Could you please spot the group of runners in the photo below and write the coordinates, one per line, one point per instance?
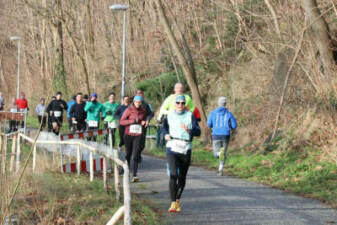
(179, 119)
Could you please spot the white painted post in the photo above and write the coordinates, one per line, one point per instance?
(13, 152)
(91, 162)
(18, 153)
(78, 164)
(61, 158)
(34, 157)
(116, 176)
(127, 196)
(4, 154)
(104, 173)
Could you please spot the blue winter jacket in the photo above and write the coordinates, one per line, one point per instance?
(70, 104)
(222, 121)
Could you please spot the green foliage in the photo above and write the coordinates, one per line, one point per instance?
(158, 88)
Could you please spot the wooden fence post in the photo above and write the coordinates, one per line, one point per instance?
(116, 176)
(91, 163)
(34, 157)
(18, 153)
(4, 154)
(61, 158)
(104, 173)
(13, 152)
(127, 196)
(78, 163)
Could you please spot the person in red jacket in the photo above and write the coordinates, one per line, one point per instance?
(134, 118)
(22, 104)
(196, 114)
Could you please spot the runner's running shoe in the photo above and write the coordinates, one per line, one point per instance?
(173, 209)
(178, 206)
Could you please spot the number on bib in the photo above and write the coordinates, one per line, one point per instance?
(92, 123)
(136, 129)
(57, 113)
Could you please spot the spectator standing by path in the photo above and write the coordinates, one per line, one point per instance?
(149, 115)
(110, 108)
(78, 115)
(13, 108)
(134, 118)
(222, 122)
(40, 110)
(94, 111)
(179, 128)
(2, 102)
(70, 104)
(55, 109)
(22, 104)
(118, 115)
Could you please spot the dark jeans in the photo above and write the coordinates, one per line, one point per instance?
(143, 141)
(43, 122)
(121, 130)
(132, 148)
(94, 138)
(112, 131)
(178, 165)
(12, 126)
(70, 124)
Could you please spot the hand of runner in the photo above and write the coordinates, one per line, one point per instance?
(167, 137)
(146, 123)
(185, 127)
(143, 123)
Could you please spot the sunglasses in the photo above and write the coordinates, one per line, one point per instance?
(180, 103)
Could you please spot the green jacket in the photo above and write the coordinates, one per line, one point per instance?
(108, 107)
(93, 110)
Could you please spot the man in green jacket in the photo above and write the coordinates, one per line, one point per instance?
(109, 119)
(94, 110)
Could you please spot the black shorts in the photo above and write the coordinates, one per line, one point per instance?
(58, 120)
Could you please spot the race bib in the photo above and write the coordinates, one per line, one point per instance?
(178, 146)
(112, 124)
(136, 129)
(92, 123)
(13, 110)
(74, 122)
(57, 113)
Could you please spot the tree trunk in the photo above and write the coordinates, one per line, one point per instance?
(187, 68)
(59, 79)
(321, 32)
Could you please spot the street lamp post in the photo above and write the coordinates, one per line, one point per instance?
(122, 8)
(16, 38)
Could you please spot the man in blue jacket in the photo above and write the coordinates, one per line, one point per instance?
(222, 122)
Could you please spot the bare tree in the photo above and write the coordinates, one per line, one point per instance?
(321, 32)
(187, 66)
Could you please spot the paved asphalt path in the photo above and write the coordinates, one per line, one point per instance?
(209, 199)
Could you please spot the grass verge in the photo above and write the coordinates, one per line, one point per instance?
(49, 197)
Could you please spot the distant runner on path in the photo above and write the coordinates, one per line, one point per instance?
(169, 106)
(118, 115)
(109, 117)
(94, 111)
(179, 128)
(55, 109)
(134, 119)
(222, 121)
(78, 115)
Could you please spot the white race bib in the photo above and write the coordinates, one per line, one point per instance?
(136, 129)
(92, 123)
(112, 124)
(179, 146)
(74, 122)
(13, 110)
(57, 113)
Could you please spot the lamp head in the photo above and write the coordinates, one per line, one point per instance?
(14, 38)
(119, 7)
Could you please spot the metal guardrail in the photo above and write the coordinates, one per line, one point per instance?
(113, 155)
